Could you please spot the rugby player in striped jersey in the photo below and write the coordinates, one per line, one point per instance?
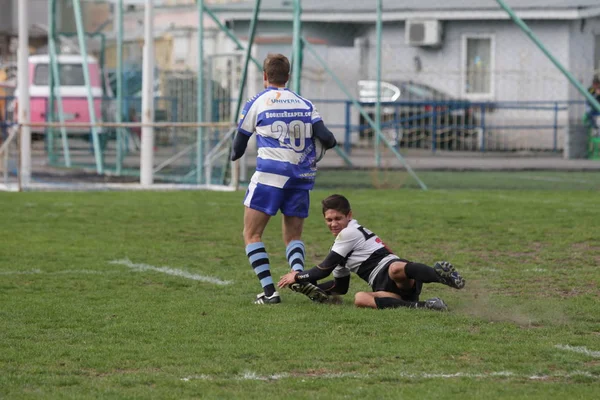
(286, 127)
(396, 282)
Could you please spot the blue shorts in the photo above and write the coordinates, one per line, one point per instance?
(270, 199)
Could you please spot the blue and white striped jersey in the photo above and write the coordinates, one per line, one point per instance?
(283, 123)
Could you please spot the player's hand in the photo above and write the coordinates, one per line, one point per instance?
(287, 279)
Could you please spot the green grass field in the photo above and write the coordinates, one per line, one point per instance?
(452, 180)
(148, 295)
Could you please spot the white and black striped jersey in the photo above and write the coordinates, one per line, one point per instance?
(363, 251)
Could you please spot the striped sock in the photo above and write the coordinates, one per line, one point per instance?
(259, 259)
(295, 255)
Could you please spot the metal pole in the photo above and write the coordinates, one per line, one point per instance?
(23, 88)
(200, 97)
(254, 86)
(339, 83)
(348, 127)
(558, 65)
(54, 83)
(86, 76)
(229, 34)
(482, 122)
(147, 146)
(50, 101)
(297, 47)
(251, 34)
(119, 111)
(378, 29)
(555, 136)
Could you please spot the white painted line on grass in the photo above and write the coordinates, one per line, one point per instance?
(579, 349)
(28, 272)
(249, 375)
(171, 271)
(83, 271)
(197, 378)
(488, 269)
(253, 376)
(63, 272)
(551, 179)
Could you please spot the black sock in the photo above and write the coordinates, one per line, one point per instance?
(392, 302)
(421, 272)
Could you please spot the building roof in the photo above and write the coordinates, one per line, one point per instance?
(365, 10)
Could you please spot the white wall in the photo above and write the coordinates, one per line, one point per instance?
(521, 69)
(522, 72)
(6, 16)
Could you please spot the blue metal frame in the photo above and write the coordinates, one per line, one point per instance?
(349, 128)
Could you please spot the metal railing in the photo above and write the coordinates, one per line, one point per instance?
(454, 125)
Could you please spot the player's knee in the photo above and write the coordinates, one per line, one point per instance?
(251, 237)
(363, 299)
(397, 272)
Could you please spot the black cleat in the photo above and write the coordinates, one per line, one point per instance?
(313, 292)
(448, 275)
(436, 304)
(261, 298)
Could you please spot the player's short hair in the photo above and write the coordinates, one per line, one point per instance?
(336, 202)
(596, 80)
(277, 67)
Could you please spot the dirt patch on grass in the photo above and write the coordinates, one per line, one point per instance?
(589, 248)
(545, 287)
(478, 302)
(533, 253)
(590, 364)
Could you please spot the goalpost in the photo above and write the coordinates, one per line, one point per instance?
(200, 162)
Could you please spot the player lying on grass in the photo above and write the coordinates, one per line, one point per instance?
(395, 282)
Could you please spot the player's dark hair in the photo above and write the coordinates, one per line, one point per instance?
(596, 80)
(336, 202)
(277, 67)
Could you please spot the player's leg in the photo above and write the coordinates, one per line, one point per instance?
(405, 272)
(368, 299)
(261, 203)
(295, 253)
(392, 279)
(383, 300)
(295, 210)
(402, 272)
(292, 237)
